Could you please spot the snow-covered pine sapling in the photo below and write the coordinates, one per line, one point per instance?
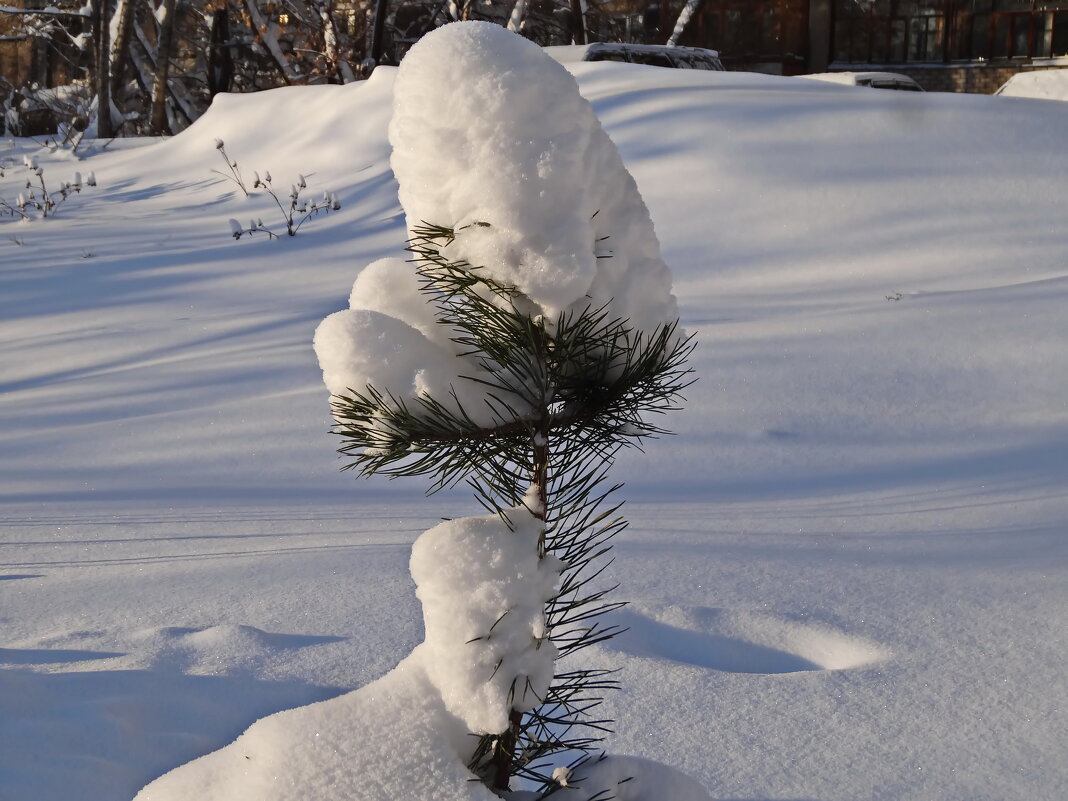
(532, 336)
(567, 393)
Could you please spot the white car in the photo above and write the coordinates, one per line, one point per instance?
(691, 58)
(876, 80)
(1044, 84)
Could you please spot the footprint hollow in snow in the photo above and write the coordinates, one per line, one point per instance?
(737, 642)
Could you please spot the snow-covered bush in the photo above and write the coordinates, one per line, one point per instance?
(298, 211)
(530, 338)
(37, 197)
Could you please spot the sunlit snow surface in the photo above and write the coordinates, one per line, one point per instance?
(849, 571)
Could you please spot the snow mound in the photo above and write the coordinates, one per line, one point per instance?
(630, 778)
(408, 735)
(261, 132)
(222, 650)
(390, 740)
(742, 641)
(492, 138)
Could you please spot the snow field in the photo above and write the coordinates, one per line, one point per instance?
(887, 475)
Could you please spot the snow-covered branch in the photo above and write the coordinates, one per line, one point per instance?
(86, 11)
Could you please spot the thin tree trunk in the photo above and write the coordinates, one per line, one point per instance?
(342, 70)
(578, 22)
(102, 78)
(378, 32)
(515, 19)
(122, 26)
(143, 61)
(502, 767)
(220, 59)
(144, 57)
(158, 117)
(684, 18)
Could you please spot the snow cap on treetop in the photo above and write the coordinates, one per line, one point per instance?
(488, 129)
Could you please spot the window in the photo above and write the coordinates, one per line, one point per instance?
(1020, 43)
(607, 55)
(651, 59)
(901, 31)
(1006, 29)
(1001, 36)
(1043, 35)
(881, 31)
(980, 37)
(925, 38)
(897, 40)
(1059, 39)
(748, 31)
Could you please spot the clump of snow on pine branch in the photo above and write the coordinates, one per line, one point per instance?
(483, 588)
(391, 286)
(389, 339)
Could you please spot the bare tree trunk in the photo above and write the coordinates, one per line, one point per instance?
(101, 67)
(220, 59)
(158, 116)
(144, 56)
(684, 19)
(515, 19)
(540, 453)
(122, 25)
(378, 32)
(268, 30)
(578, 22)
(342, 70)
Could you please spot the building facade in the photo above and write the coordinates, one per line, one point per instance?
(946, 45)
